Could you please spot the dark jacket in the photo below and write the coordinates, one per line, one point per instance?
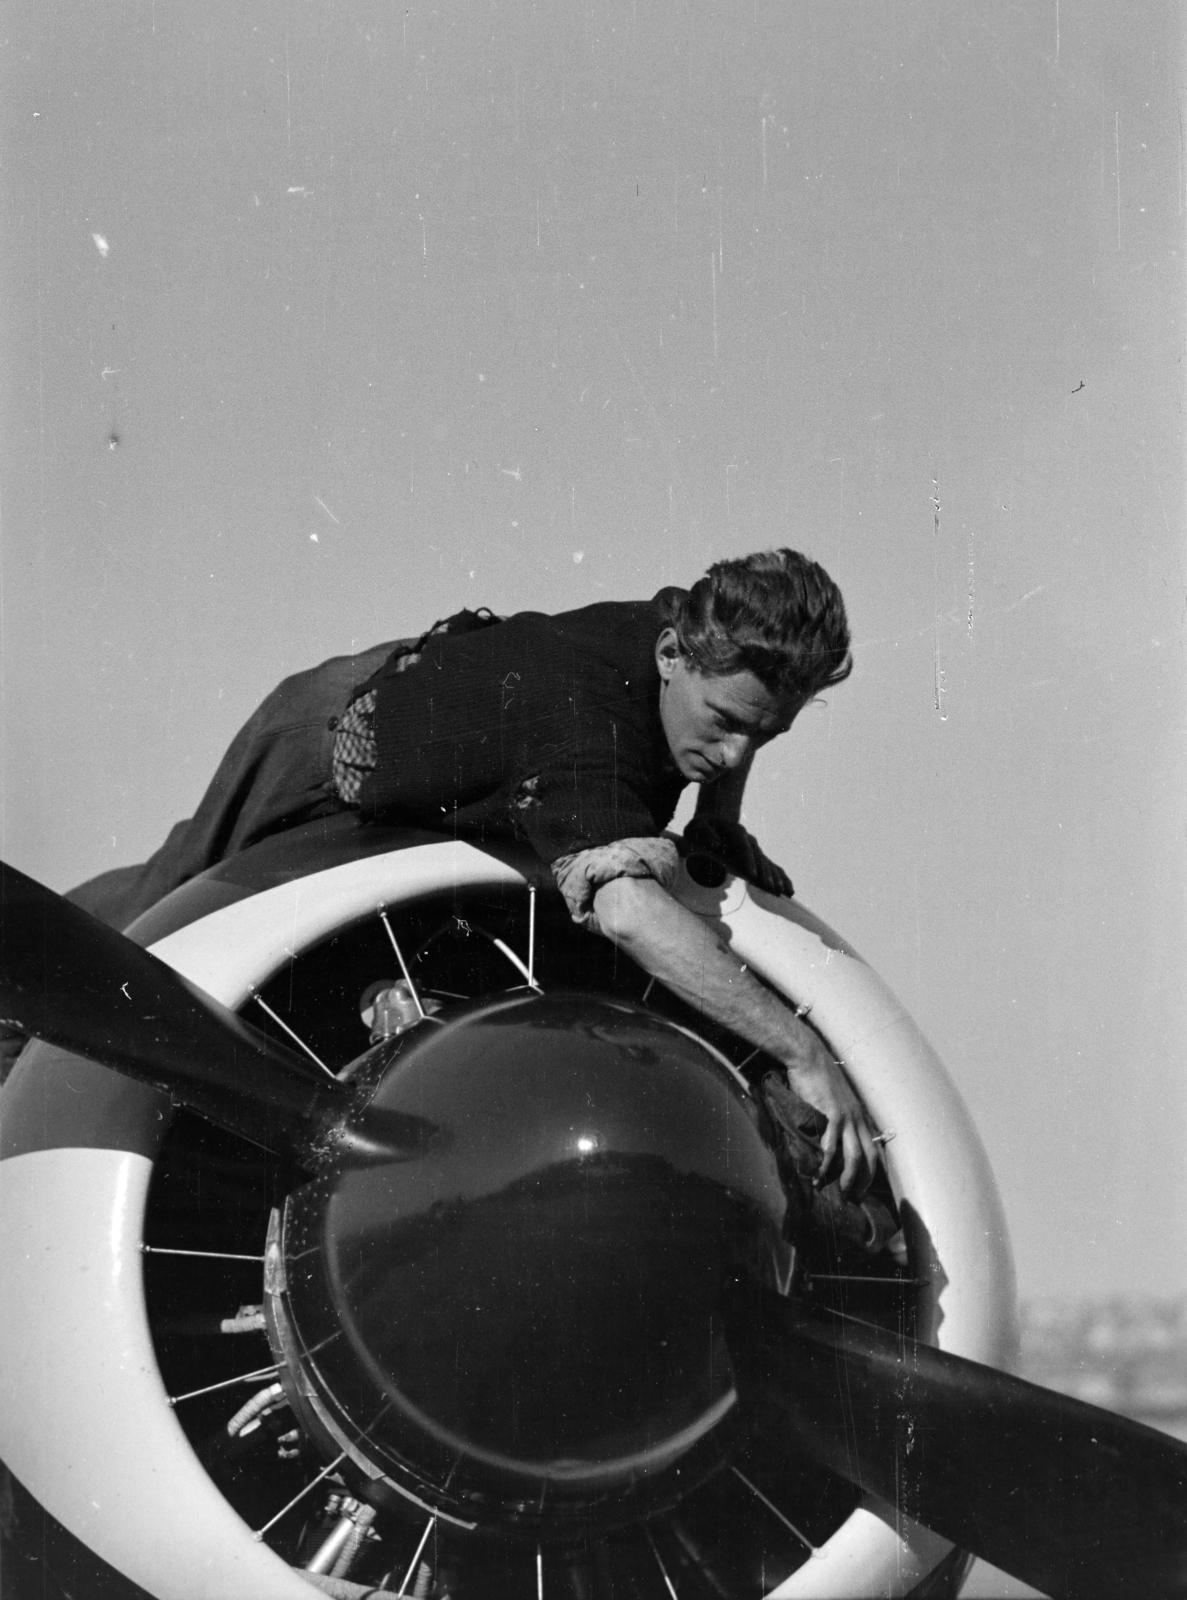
(542, 728)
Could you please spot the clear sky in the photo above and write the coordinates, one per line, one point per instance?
(320, 321)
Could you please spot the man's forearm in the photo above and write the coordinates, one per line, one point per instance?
(690, 958)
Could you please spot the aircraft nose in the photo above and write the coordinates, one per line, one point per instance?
(500, 1335)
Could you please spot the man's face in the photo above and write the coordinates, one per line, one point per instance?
(714, 724)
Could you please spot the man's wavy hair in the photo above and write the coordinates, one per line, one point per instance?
(775, 613)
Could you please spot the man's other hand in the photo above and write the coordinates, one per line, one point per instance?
(731, 844)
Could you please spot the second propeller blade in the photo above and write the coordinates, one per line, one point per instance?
(1074, 1500)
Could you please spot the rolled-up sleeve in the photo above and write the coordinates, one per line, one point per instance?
(580, 875)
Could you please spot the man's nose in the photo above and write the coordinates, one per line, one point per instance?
(735, 747)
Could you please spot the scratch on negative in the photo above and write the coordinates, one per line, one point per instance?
(938, 671)
(873, 1034)
(327, 510)
(1022, 599)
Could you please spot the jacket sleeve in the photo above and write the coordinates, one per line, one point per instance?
(579, 804)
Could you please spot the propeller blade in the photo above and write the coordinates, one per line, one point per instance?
(69, 978)
(1072, 1499)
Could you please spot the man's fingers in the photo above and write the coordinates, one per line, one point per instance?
(851, 1145)
(771, 876)
(828, 1153)
(870, 1151)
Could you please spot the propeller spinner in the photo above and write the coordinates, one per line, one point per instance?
(600, 1181)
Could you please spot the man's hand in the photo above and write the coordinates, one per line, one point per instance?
(847, 1147)
(738, 850)
(691, 958)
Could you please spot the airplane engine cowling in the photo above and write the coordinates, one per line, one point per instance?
(79, 1146)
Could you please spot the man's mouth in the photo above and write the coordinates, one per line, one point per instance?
(706, 769)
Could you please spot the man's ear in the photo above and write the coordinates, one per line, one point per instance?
(667, 653)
